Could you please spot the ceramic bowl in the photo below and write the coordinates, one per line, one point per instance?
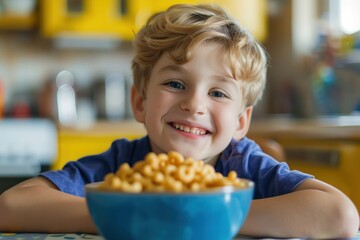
(213, 214)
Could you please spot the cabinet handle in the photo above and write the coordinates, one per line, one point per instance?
(123, 7)
(319, 157)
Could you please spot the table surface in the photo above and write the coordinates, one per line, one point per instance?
(78, 236)
(45, 236)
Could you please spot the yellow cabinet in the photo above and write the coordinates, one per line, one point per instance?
(251, 14)
(326, 148)
(123, 18)
(334, 162)
(75, 143)
(88, 17)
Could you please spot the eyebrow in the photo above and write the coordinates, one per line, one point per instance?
(175, 68)
(227, 80)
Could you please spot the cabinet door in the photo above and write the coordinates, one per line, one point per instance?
(334, 162)
(89, 18)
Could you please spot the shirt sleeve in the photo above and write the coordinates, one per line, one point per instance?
(76, 174)
(271, 178)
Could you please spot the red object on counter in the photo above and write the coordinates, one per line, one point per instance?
(21, 110)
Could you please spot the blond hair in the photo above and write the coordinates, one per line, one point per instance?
(182, 27)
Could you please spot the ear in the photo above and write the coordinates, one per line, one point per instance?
(243, 123)
(137, 105)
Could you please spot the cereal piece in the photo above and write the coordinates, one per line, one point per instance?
(185, 174)
(150, 156)
(195, 187)
(158, 177)
(135, 177)
(189, 161)
(162, 165)
(198, 165)
(131, 187)
(124, 171)
(139, 165)
(169, 169)
(175, 158)
(239, 183)
(232, 175)
(147, 184)
(108, 178)
(208, 169)
(114, 182)
(218, 176)
(147, 171)
(152, 160)
(163, 157)
(173, 185)
(207, 178)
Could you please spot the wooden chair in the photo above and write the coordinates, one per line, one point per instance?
(271, 147)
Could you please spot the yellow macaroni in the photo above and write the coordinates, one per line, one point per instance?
(168, 172)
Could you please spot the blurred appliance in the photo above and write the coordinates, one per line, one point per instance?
(66, 98)
(110, 96)
(19, 7)
(27, 147)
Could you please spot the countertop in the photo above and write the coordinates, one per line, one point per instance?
(340, 127)
(325, 128)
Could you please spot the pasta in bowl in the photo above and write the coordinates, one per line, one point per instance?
(166, 196)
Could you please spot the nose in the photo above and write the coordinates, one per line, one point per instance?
(193, 103)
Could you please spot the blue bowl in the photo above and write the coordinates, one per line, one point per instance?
(213, 214)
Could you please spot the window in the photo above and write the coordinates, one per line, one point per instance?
(344, 15)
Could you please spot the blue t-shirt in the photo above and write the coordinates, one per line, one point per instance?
(245, 157)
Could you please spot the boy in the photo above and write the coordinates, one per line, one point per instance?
(197, 76)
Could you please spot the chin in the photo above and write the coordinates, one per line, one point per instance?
(186, 153)
(185, 149)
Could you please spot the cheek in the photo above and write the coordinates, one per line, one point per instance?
(158, 102)
(157, 105)
(227, 117)
(227, 110)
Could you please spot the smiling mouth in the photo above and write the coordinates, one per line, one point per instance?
(188, 129)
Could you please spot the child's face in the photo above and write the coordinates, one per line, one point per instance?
(194, 108)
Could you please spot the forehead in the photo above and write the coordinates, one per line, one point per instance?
(207, 59)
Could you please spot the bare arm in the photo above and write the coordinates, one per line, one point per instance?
(315, 209)
(36, 205)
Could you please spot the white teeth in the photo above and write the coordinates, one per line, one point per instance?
(188, 129)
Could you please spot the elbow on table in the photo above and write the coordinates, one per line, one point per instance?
(5, 216)
(347, 221)
(3, 211)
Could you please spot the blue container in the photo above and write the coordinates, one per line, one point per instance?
(214, 214)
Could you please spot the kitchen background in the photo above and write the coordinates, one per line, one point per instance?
(314, 55)
(65, 75)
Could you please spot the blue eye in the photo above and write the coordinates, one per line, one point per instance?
(175, 85)
(217, 94)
